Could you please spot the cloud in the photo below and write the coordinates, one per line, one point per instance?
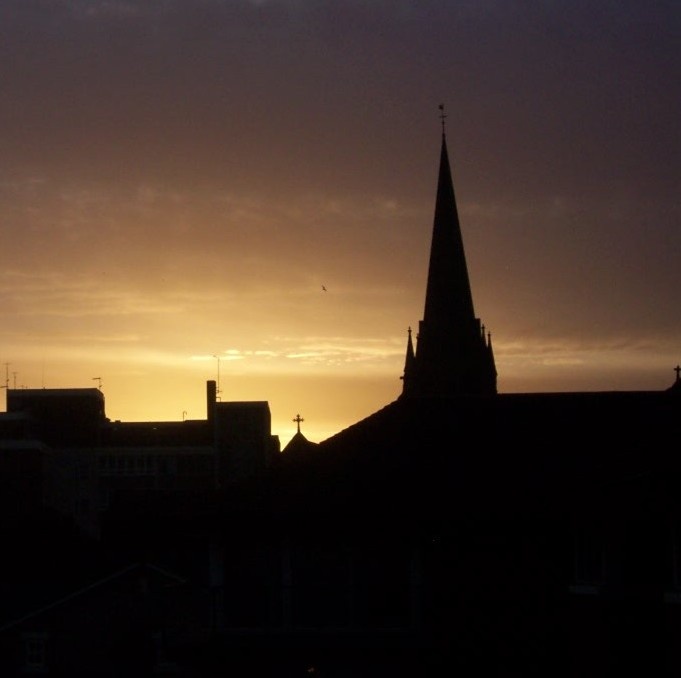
(624, 363)
(49, 295)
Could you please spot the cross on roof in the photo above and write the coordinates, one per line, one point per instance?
(298, 419)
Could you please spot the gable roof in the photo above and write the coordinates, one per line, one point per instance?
(167, 578)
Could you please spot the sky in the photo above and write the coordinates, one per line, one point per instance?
(180, 180)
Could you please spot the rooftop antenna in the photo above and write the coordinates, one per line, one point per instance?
(7, 376)
(218, 391)
(99, 382)
(14, 377)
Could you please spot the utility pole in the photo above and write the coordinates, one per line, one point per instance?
(218, 391)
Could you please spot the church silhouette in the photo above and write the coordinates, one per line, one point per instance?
(457, 529)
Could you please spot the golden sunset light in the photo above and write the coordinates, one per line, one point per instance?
(244, 191)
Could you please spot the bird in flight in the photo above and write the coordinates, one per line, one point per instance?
(323, 288)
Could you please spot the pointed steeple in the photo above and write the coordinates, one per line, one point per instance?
(409, 361)
(448, 294)
(453, 355)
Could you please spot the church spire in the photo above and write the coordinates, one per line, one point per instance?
(453, 355)
(409, 362)
(448, 292)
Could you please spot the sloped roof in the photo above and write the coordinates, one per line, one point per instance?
(502, 453)
(134, 569)
(299, 444)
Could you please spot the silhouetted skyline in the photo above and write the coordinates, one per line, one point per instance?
(255, 181)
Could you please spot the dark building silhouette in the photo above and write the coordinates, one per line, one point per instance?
(453, 355)
(455, 531)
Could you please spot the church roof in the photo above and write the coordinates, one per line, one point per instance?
(499, 454)
(298, 444)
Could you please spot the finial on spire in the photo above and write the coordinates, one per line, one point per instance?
(443, 115)
(298, 419)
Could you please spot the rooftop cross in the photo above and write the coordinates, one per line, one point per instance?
(298, 419)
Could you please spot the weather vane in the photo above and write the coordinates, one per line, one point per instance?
(443, 115)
